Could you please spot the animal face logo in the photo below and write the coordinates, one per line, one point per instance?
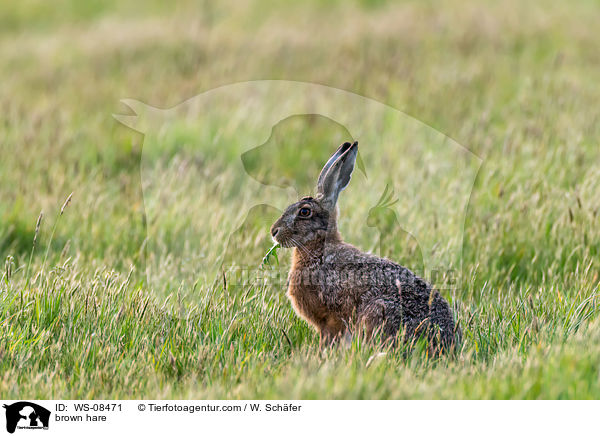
(219, 169)
(26, 415)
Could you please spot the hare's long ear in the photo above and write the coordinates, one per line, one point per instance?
(341, 150)
(336, 173)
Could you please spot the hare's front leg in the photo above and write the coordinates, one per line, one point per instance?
(325, 338)
(331, 331)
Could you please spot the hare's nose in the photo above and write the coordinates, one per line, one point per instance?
(274, 231)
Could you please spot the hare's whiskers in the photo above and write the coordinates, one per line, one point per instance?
(303, 248)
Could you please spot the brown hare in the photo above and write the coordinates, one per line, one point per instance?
(341, 290)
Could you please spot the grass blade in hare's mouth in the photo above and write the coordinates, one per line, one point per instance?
(272, 253)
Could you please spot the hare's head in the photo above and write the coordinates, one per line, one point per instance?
(312, 219)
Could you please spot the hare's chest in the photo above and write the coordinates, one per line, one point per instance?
(309, 297)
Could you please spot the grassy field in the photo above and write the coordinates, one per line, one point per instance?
(104, 299)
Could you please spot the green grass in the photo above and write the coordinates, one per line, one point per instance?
(113, 304)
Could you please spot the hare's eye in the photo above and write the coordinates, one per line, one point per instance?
(304, 212)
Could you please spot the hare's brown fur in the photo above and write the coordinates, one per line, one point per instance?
(341, 290)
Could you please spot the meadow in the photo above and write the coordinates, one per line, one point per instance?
(100, 295)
